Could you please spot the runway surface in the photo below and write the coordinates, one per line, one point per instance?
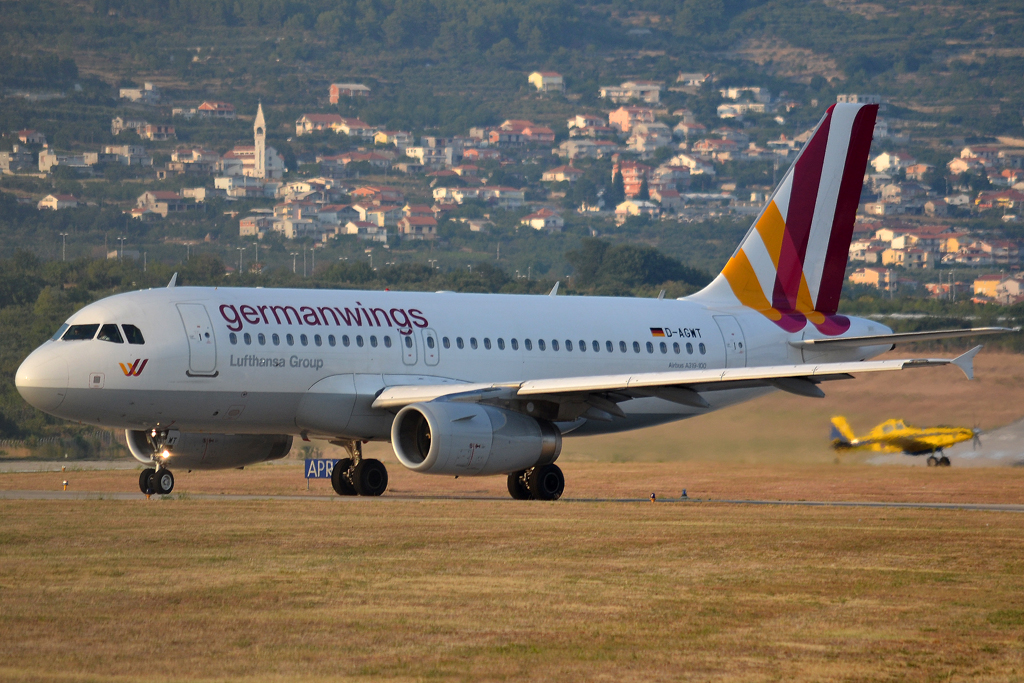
(97, 495)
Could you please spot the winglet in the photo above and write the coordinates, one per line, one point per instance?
(966, 361)
(554, 290)
(174, 281)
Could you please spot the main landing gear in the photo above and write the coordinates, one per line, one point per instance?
(359, 476)
(941, 461)
(545, 482)
(159, 481)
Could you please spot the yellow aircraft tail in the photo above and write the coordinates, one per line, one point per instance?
(842, 435)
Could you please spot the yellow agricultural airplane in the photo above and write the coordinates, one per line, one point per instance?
(896, 436)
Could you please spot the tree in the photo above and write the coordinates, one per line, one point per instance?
(645, 192)
(617, 194)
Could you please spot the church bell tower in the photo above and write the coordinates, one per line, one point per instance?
(260, 133)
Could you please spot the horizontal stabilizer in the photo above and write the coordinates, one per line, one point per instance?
(899, 338)
(966, 361)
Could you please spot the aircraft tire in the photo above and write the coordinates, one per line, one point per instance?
(162, 482)
(516, 488)
(943, 461)
(370, 477)
(546, 482)
(339, 480)
(144, 485)
(932, 461)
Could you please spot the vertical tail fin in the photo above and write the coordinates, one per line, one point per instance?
(842, 434)
(791, 264)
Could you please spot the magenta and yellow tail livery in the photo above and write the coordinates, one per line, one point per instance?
(791, 264)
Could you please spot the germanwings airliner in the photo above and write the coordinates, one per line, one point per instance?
(475, 384)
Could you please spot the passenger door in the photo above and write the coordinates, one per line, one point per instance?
(735, 353)
(202, 346)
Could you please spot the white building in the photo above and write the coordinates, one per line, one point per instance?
(148, 94)
(547, 81)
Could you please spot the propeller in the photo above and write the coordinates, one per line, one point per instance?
(977, 438)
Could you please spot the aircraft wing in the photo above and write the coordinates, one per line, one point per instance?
(898, 338)
(603, 392)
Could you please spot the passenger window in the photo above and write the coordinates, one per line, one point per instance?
(609, 346)
(387, 341)
(689, 348)
(290, 339)
(595, 345)
(276, 338)
(373, 340)
(359, 340)
(487, 343)
(408, 341)
(501, 343)
(472, 343)
(262, 339)
(59, 333)
(430, 342)
(664, 347)
(528, 344)
(650, 347)
(233, 338)
(133, 335)
(110, 333)
(583, 345)
(80, 332)
(515, 344)
(540, 345)
(334, 342)
(703, 349)
(247, 338)
(622, 346)
(675, 348)
(458, 342)
(636, 347)
(316, 340)
(554, 345)
(447, 344)
(345, 341)
(304, 339)
(568, 345)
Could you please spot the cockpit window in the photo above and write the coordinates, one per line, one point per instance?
(133, 334)
(60, 332)
(110, 333)
(80, 332)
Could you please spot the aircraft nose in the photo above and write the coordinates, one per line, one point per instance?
(42, 380)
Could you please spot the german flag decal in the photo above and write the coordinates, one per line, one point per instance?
(657, 332)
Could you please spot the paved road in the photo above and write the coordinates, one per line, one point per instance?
(96, 495)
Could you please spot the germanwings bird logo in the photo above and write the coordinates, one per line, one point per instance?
(791, 265)
(135, 369)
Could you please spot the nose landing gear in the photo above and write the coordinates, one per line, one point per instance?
(153, 481)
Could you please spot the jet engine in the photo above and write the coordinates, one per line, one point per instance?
(442, 437)
(206, 451)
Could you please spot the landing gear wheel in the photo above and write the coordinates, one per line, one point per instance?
(546, 482)
(517, 488)
(370, 477)
(339, 478)
(943, 461)
(932, 461)
(161, 482)
(144, 484)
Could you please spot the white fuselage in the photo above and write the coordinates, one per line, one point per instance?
(311, 362)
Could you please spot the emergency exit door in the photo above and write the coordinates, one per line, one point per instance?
(202, 346)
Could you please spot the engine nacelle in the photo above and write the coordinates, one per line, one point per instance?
(206, 451)
(466, 439)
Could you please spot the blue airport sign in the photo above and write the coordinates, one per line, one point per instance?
(319, 468)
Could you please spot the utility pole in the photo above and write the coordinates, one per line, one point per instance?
(303, 261)
(122, 239)
(294, 254)
(312, 267)
(256, 246)
(240, 250)
(63, 246)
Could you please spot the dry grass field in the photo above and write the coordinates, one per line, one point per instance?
(182, 589)
(448, 579)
